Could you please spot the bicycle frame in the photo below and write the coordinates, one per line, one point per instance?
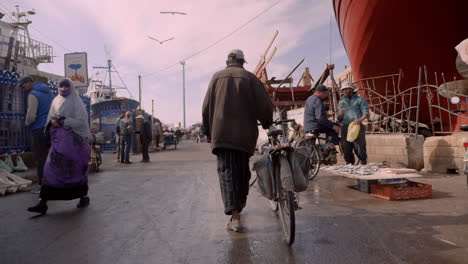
(284, 195)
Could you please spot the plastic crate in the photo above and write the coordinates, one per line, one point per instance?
(402, 191)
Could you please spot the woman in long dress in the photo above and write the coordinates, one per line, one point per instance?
(66, 168)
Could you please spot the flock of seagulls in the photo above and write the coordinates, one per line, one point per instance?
(171, 13)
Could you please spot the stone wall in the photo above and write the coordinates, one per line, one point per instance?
(398, 149)
(445, 153)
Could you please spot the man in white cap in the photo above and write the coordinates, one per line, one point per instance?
(145, 137)
(353, 108)
(235, 100)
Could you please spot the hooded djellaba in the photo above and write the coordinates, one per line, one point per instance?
(66, 168)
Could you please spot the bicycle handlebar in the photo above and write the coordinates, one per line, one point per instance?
(279, 122)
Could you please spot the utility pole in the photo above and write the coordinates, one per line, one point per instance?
(152, 118)
(139, 90)
(183, 89)
(109, 64)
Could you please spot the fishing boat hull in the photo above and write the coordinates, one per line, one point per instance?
(384, 37)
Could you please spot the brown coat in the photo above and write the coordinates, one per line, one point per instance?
(235, 100)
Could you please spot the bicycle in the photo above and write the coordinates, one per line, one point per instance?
(317, 148)
(283, 199)
(95, 157)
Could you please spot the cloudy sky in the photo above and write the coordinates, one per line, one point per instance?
(122, 26)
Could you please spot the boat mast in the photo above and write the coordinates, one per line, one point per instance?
(109, 70)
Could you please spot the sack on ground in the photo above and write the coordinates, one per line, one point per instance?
(9, 161)
(20, 166)
(265, 177)
(5, 166)
(299, 162)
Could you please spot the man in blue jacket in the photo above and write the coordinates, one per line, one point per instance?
(39, 100)
(316, 119)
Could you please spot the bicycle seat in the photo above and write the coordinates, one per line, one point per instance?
(464, 127)
(274, 133)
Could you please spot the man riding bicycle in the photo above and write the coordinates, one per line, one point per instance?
(316, 119)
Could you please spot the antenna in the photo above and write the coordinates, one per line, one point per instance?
(107, 52)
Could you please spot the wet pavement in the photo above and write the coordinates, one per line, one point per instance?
(169, 211)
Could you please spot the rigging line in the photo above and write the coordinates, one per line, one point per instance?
(7, 12)
(218, 41)
(37, 30)
(90, 59)
(118, 74)
(56, 42)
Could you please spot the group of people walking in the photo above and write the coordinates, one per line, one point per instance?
(59, 139)
(236, 100)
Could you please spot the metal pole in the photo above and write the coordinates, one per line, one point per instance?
(139, 90)
(429, 97)
(152, 118)
(109, 63)
(419, 102)
(183, 89)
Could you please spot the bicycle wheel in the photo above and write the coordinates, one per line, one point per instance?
(314, 160)
(314, 156)
(286, 211)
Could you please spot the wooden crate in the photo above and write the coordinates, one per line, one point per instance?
(402, 191)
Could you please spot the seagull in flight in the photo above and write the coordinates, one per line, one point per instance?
(160, 42)
(173, 13)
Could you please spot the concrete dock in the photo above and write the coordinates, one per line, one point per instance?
(170, 211)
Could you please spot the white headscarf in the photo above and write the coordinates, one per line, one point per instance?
(72, 108)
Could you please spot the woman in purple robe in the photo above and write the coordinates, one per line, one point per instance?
(66, 168)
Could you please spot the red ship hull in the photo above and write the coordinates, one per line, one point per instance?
(383, 36)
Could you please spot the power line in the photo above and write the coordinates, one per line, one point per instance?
(37, 30)
(216, 42)
(7, 12)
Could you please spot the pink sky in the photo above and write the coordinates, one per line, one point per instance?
(123, 26)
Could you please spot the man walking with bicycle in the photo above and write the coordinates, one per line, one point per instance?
(353, 108)
(235, 100)
(316, 119)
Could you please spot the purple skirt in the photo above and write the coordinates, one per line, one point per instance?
(66, 168)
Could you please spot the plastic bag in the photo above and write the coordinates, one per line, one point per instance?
(353, 132)
(300, 165)
(265, 177)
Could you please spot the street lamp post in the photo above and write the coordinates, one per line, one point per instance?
(183, 89)
(139, 91)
